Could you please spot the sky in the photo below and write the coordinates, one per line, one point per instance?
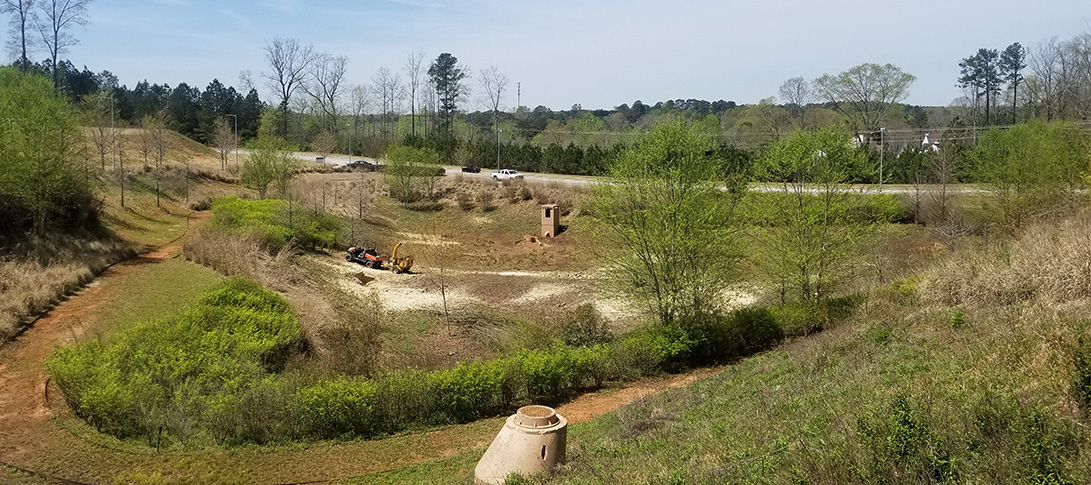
(596, 53)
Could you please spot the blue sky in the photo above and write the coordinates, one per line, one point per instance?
(597, 53)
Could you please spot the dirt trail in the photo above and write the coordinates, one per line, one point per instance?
(31, 438)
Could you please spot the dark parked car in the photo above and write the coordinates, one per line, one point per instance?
(471, 169)
(363, 165)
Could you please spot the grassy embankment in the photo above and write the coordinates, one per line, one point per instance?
(39, 270)
(974, 371)
(42, 270)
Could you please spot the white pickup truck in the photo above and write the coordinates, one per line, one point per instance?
(506, 174)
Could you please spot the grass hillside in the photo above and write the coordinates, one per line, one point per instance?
(978, 376)
(39, 270)
(977, 370)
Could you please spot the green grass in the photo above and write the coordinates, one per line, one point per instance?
(458, 469)
(986, 403)
(141, 221)
(896, 397)
(161, 291)
(12, 476)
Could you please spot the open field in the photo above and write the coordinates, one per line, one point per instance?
(318, 369)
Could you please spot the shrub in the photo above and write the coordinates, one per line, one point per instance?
(465, 202)
(632, 358)
(485, 200)
(182, 370)
(271, 220)
(525, 194)
(878, 209)
(509, 193)
(258, 216)
(471, 390)
(585, 327)
(340, 407)
(805, 318)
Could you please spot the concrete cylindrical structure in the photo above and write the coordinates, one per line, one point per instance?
(532, 441)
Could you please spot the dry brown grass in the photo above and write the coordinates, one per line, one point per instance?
(242, 254)
(39, 273)
(1049, 262)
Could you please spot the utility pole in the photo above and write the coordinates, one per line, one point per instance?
(882, 151)
(518, 96)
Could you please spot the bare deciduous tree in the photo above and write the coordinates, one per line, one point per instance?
(493, 82)
(288, 62)
(390, 91)
(223, 139)
(246, 81)
(327, 75)
(97, 109)
(359, 105)
(57, 17)
(145, 143)
(1059, 84)
(414, 67)
(21, 20)
(155, 124)
(796, 93)
(428, 102)
(324, 143)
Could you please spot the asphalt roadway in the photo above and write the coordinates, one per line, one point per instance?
(584, 181)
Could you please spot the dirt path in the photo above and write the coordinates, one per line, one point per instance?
(31, 437)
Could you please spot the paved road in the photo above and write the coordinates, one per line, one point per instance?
(585, 181)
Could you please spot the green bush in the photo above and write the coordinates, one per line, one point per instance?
(805, 318)
(44, 181)
(585, 327)
(471, 390)
(878, 209)
(270, 219)
(340, 407)
(172, 372)
(213, 372)
(958, 320)
(902, 443)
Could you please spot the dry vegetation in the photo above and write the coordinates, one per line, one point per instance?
(1050, 262)
(38, 273)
